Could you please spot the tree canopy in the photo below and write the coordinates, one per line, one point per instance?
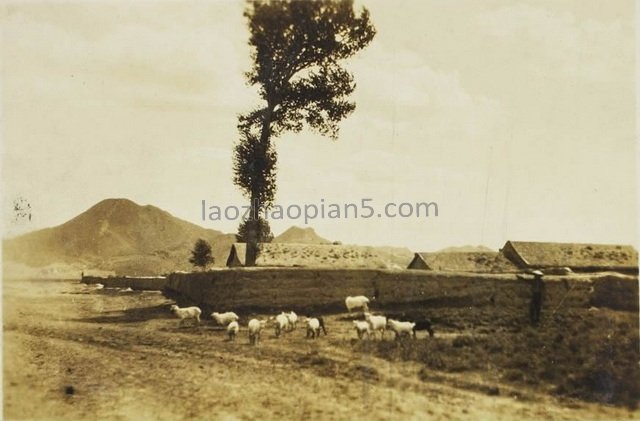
(201, 254)
(297, 50)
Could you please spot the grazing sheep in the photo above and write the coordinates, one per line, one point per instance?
(224, 319)
(422, 323)
(187, 313)
(281, 323)
(232, 330)
(402, 328)
(313, 328)
(255, 326)
(321, 320)
(362, 327)
(293, 320)
(377, 323)
(359, 301)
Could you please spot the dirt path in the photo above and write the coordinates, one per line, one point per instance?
(73, 352)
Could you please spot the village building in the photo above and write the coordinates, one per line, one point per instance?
(529, 255)
(310, 255)
(481, 262)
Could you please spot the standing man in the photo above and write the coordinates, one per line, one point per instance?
(537, 296)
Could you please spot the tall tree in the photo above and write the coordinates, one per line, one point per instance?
(297, 49)
(201, 254)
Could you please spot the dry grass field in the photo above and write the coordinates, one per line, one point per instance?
(73, 352)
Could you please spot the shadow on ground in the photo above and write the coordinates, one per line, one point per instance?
(132, 315)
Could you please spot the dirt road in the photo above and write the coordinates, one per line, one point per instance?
(74, 352)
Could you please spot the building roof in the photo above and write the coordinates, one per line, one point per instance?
(467, 261)
(237, 254)
(539, 254)
(311, 255)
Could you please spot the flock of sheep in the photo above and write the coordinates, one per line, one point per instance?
(285, 322)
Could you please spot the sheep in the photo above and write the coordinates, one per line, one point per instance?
(293, 319)
(281, 323)
(362, 327)
(359, 301)
(187, 313)
(422, 323)
(376, 323)
(402, 328)
(321, 320)
(99, 286)
(255, 326)
(224, 319)
(232, 330)
(313, 328)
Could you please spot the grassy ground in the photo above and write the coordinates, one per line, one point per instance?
(590, 355)
(72, 352)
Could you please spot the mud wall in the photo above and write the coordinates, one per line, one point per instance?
(304, 290)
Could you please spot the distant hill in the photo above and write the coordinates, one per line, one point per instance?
(465, 249)
(117, 235)
(300, 236)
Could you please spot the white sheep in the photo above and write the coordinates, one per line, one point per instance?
(313, 328)
(224, 319)
(376, 323)
(359, 301)
(232, 330)
(293, 320)
(255, 326)
(362, 327)
(402, 328)
(187, 313)
(281, 323)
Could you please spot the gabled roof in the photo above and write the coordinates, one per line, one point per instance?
(467, 261)
(540, 254)
(311, 255)
(237, 254)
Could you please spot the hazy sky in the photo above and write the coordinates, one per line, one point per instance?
(517, 118)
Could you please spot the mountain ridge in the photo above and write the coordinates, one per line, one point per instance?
(119, 236)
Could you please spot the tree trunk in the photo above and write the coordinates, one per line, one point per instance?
(252, 234)
(256, 207)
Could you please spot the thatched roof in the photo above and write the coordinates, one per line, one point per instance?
(310, 255)
(573, 255)
(465, 262)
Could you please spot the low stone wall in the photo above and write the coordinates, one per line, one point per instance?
(135, 283)
(305, 290)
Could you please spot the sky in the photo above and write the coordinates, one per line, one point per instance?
(516, 118)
